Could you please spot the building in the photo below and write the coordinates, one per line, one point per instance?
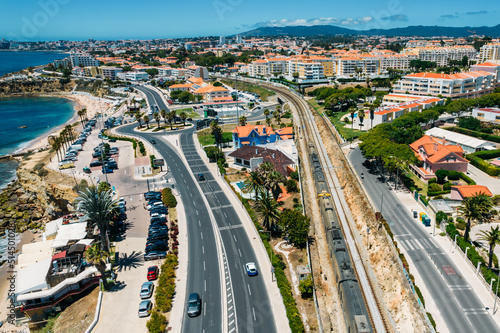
(434, 154)
(469, 144)
(65, 63)
(83, 60)
(133, 76)
(259, 68)
(460, 85)
(487, 114)
(466, 191)
(489, 52)
(442, 55)
(213, 94)
(198, 72)
(110, 72)
(252, 157)
(252, 135)
(238, 39)
(308, 70)
(222, 40)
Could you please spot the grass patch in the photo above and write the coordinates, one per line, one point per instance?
(418, 182)
(263, 92)
(206, 138)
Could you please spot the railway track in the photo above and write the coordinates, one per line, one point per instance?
(309, 129)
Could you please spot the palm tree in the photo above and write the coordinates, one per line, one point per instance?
(157, 117)
(183, 116)
(98, 208)
(278, 109)
(146, 120)
(268, 121)
(268, 209)
(81, 113)
(243, 121)
(352, 111)
(139, 119)
(163, 114)
(97, 257)
(361, 115)
(372, 109)
(170, 117)
(272, 183)
(216, 131)
(474, 208)
(253, 183)
(267, 113)
(492, 237)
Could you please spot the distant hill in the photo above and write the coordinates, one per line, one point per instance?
(419, 30)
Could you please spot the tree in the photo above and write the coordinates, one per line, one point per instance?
(157, 118)
(306, 287)
(243, 121)
(146, 120)
(492, 237)
(171, 117)
(96, 256)
(217, 84)
(295, 225)
(185, 97)
(98, 207)
(81, 113)
(470, 123)
(253, 183)
(103, 187)
(163, 114)
(152, 72)
(352, 111)
(139, 120)
(216, 131)
(183, 115)
(474, 208)
(291, 186)
(268, 209)
(441, 175)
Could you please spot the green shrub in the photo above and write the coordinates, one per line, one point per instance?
(419, 294)
(453, 175)
(447, 187)
(424, 200)
(433, 323)
(460, 225)
(291, 186)
(142, 149)
(168, 198)
(151, 159)
(432, 180)
(477, 159)
(467, 179)
(433, 187)
(39, 168)
(157, 323)
(306, 287)
(166, 284)
(440, 216)
(441, 175)
(294, 175)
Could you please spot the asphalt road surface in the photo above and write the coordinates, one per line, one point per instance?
(248, 305)
(459, 305)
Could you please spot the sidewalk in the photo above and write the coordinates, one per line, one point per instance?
(457, 257)
(281, 320)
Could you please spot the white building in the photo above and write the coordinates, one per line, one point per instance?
(83, 60)
(487, 114)
(489, 52)
(198, 71)
(468, 143)
(133, 76)
(111, 72)
(442, 55)
(222, 40)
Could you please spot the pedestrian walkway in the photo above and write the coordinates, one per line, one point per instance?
(443, 244)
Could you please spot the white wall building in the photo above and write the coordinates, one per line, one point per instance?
(489, 52)
(83, 60)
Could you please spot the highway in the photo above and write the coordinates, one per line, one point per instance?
(247, 302)
(459, 305)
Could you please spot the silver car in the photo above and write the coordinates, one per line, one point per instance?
(147, 290)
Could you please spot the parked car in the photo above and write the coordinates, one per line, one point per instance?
(146, 290)
(152, 194)
(111, 165)
(66, 166)
(145, 308)
(87, 170)
(154, 227)
(112, 140)
(152, 141)
(95, 163)
(106, 170)
(194, 305)
(251, 269)
(160, 210)
(156, 246)
(155, 255)
(122, 205)
(158, 215)
(154, 205)
(158, 220)
(122, 200)
(157, 237)
(201, 177)
(153, 273)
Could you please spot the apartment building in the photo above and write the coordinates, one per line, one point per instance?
(259, 68)
(442, 55)
(83, 60)
(198, 71)
(308, 70)
(396, 61)
(461, 85)
(489, 52)
(110, 72)
(396, 105)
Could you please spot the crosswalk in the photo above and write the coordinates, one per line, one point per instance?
(417, 244)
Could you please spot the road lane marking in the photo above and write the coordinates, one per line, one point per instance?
(203, 250)
(249, 291)
(204, 268)
(233, 226)
(191, 194)
(253, 310)
(205, 281)
(197, 212)
(225, 215)
(199, 223)
(235, 238)
(239, 252)
(201, 235)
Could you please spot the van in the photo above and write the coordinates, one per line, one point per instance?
(66, 166)
(76, 147)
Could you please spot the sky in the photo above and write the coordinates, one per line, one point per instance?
(39, 20)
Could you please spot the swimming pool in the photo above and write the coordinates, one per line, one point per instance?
(241, 185)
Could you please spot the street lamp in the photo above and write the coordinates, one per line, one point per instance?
(271, 248)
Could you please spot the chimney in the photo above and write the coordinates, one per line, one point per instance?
(444, 140)
(435, 146)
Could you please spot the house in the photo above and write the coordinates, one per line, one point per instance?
(465, 191)
(434, 154)
(252, 135)
(468, 143)
(251, 157)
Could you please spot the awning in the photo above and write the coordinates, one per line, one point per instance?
(60, 243)
(76, 248)
(245, 142)
(59, 255)
(85, 241)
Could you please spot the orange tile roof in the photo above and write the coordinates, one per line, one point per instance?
(181, 85)
(285, 131)
(470, 190)
(244, 131)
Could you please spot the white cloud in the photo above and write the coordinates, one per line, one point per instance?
(315, 21)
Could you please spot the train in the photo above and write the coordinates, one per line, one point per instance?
(356, 314)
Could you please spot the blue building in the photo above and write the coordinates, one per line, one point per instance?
(254, 135)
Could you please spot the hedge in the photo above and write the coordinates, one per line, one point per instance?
(168, 198)
(157, 323)
(476, 134)
(433, 194)
(467, 179)
(477, 159)
(142, 149)
(292, 312)
(166, 284)
(424, 200)
(134, 141)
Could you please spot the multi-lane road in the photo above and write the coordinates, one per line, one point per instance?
(459, 306)
(217, 243)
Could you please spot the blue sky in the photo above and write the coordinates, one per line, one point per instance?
(76, 20)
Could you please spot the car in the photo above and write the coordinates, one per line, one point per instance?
(87, 170)
(160, 210)
(106, 170)
(157, 237)
(152, 142)
(97, 154)
(155, 255)
(155, 233)
(158, 224)
(111, 165)
(153, 273)
(158, 220)
(158, 215)
(122, 200)
(145, 308)
(415, 214)
(201, 177)
(251, 269)
(154, 205)
(122, 205)
(156, 246)
(95, 163)
(152, 194)
(71, 158)
(189, 119)
(194, 305)
(146, 290)
(155, 227)
(66, 166)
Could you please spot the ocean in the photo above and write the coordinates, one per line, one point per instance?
(14, 61)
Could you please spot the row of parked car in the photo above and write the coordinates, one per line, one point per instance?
(72, 152)
(157, 241)
(104, 152)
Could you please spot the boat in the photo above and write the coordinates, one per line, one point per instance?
(24, 126)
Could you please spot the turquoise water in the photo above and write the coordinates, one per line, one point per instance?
(14, 61)
(240, 184)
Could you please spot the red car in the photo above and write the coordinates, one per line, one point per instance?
(152, 273)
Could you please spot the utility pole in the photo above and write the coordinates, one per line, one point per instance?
(237, 108)
(102, 148)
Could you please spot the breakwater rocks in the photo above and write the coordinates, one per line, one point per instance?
(31, 201)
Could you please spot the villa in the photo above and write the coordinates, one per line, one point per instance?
(254, 135)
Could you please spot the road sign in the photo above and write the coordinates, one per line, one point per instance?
(158, 162)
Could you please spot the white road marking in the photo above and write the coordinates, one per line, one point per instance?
(225, 215)
(201, 235)
(199, 223)
(253, 310)
(204, 266)
(249, 289)
(234, 238)
(205, 281)
(203, 250)
(197, 212)
(239, 252)
(191, 194)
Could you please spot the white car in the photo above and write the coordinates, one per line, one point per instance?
(122, 200)
(251, 269)
(158, 215)
(155, 204)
